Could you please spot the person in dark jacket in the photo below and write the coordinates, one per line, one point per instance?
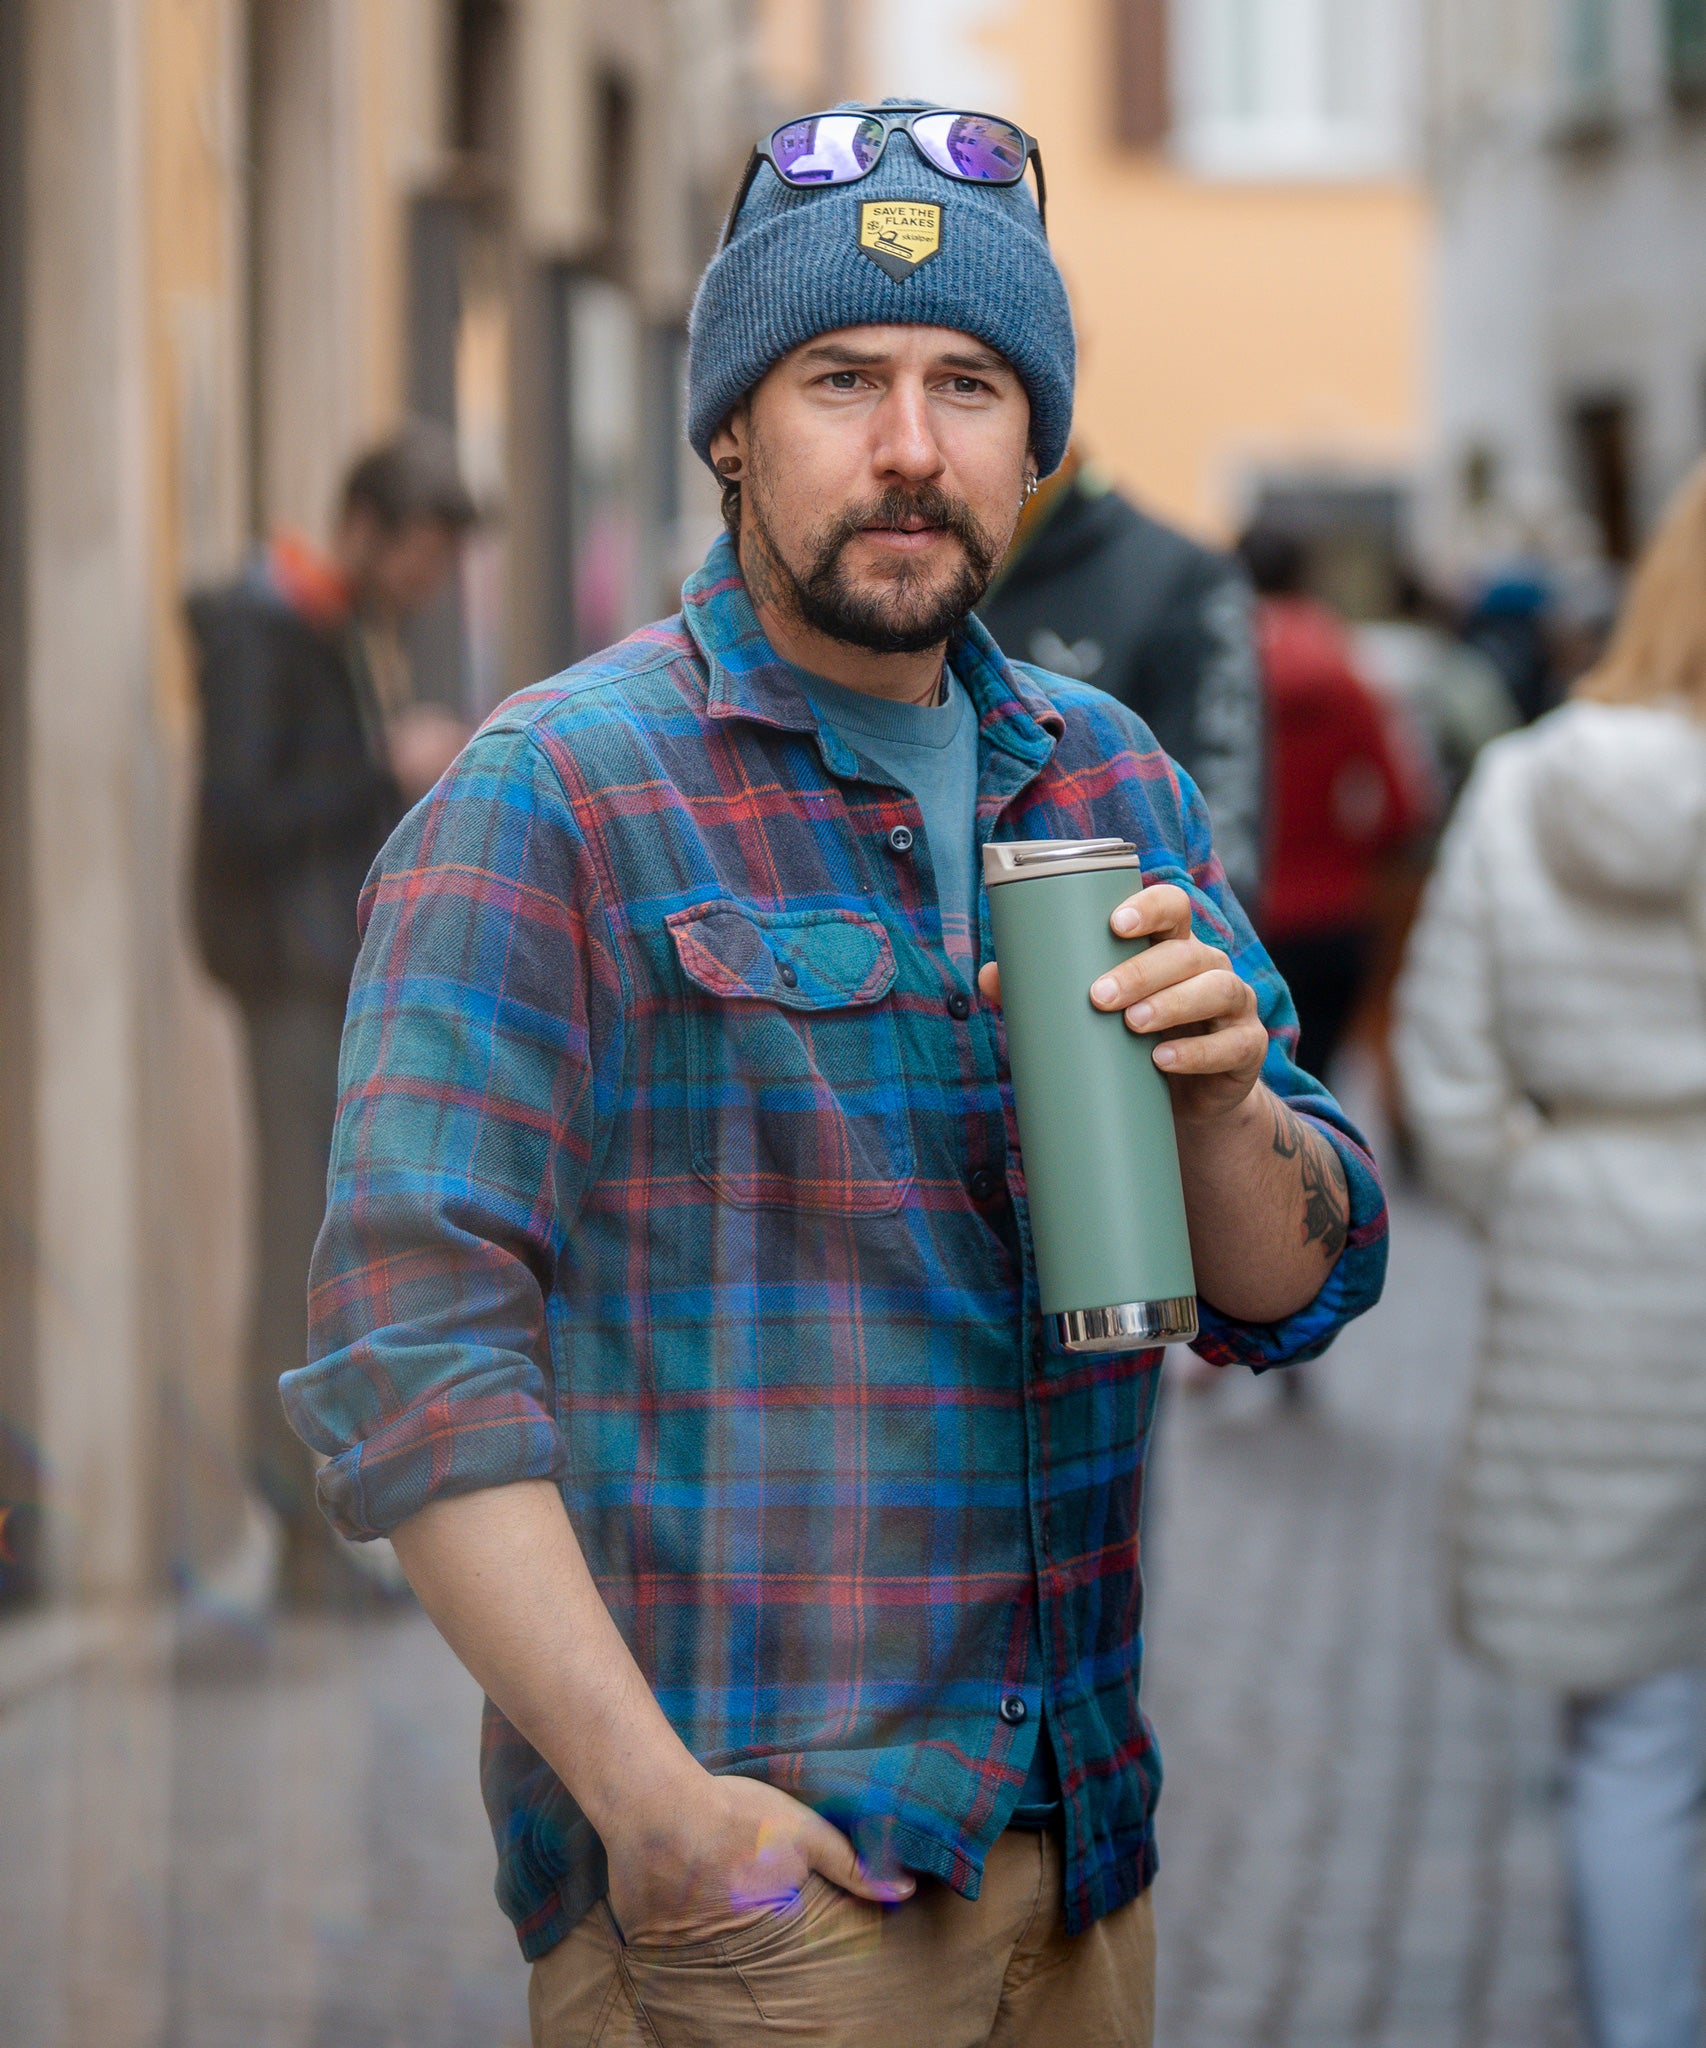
(310, 755)
(1096, 589)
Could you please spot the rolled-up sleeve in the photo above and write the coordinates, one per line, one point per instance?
(1359, 1273)
(482, 1038)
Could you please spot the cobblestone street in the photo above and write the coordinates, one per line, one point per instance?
(283, 1846)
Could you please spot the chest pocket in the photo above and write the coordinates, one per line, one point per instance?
(795, 1088)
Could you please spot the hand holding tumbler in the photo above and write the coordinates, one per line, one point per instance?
(1095, 1117)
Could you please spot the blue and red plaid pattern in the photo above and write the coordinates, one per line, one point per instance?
(676, 1163)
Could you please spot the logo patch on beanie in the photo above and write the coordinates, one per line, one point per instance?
(899, 234)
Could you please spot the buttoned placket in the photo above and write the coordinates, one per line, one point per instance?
(1003, 776)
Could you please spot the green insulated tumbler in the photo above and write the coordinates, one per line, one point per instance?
(1095, 1118)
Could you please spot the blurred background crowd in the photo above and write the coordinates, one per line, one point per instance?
(350, 333)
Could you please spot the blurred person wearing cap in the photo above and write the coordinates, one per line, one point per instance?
(1097, 588)
(674, 1308)
(1552, 1047)
(311, 753)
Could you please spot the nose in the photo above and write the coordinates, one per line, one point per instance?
(904, 444)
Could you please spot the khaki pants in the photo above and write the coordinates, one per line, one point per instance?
(939, 1972)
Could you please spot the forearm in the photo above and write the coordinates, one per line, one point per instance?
(1268, 1208)
(502, 1575)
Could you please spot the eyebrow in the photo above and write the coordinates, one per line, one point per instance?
(839, 353)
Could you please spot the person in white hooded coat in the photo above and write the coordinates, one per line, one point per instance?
(1552, 1049)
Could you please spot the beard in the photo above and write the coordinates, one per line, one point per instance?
(904, 611)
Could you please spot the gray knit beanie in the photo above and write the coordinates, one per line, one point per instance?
(804, 263)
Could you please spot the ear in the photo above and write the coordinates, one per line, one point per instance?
(730, 443)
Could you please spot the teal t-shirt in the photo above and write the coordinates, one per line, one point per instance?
(930, 751)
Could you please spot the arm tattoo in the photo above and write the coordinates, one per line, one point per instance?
(1326, 1195)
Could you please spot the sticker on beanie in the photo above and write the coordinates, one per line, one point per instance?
(899, 234)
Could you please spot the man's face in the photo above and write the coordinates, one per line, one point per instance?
(882, 469)
(396, 573)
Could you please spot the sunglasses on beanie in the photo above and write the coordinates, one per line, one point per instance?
(844, 145)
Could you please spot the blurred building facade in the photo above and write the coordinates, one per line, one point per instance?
(237, 239)
(1567, 152)
(1237, 201)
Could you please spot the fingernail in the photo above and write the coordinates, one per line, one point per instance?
(1140, 1015)
(1107, 990)
(1165, 1055)
(1125, 921)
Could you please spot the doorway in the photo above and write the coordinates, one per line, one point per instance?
(1602, 434)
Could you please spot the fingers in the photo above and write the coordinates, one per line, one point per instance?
(1168, 961)
(1216, 996)
(1163, 910)
(1232, 1049)
(829, 1852)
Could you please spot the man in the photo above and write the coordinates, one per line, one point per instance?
(310, 755)
(1096, 588)
(676, 1186)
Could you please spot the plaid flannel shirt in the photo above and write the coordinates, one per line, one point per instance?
(676, 1163)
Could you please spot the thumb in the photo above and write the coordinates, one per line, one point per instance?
(829, 1852)
(989, 981)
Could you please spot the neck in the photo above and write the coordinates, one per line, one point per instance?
(902, 678)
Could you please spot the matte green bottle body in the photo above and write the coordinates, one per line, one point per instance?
(1095, 1117)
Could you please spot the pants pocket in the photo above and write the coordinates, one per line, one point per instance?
(788, 1972)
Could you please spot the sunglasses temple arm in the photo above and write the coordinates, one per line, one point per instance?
(1042, 187)
(753, 163)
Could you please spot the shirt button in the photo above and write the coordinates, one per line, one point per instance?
(901, 839)
(959, 1005)
(786, 975)
(983, 1184)
(1013, 1710)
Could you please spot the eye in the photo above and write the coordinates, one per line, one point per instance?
(968, 387)
(843, 380)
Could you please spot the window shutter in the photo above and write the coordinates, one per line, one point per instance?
(1143, 110)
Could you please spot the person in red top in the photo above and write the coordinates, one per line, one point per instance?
(1347, 793)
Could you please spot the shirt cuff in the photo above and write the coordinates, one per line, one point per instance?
(450, 1442)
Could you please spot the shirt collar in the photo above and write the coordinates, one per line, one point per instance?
(748, 679)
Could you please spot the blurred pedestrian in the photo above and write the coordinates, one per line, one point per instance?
(1509, 621)
(675, 1305)
(311, 752)
(1454, 698)
(1552, 1045)
(1349, 791)
(1096, 588)
(1453, 702)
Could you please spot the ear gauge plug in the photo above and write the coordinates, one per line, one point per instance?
(728, 465)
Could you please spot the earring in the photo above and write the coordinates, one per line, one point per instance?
(728, 465)
(1030, 490)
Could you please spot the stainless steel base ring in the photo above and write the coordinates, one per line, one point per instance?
(1127, 1325)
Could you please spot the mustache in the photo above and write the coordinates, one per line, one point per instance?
(899, 506)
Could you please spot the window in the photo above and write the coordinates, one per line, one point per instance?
(1143, 109)
(1685, 50)
(1291, 88)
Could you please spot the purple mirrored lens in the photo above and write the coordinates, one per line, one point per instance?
(832, 150)
(972, 146)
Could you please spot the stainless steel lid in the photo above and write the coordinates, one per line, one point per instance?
(1018, 860)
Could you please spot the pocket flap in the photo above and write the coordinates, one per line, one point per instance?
(802, 959)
